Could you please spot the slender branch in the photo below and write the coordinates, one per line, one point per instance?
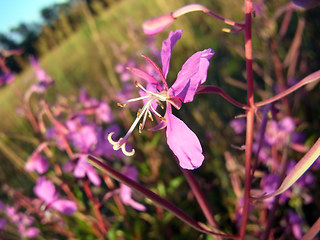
(96, 206)
(198, 7)
(196, 190)
(309, 79)
(214, 89)
(313, 231)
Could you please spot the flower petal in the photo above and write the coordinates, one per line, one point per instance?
(166, 50)
(142, 74)
(192, 74)
(45, 190)
(64, 206)
(184, 143)
(156, 25)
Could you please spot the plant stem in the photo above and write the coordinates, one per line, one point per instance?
(198, 193)
(96, 207)
(250, 118)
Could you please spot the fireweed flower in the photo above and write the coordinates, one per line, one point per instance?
(46, 191)
(82, 168)
(181, 140)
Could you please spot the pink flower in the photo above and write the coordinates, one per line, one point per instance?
(181, 140)
(38, 163)
(84, 168)
(43, 80)
(126, 192)
(46, 191)
(6, 78)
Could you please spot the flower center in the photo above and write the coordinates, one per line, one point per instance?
(142, 114)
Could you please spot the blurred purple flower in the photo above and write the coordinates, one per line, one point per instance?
(126, 192)
(83, 136)
(11, 213)
(269, 184)
(38, 163)
(44, 81)
(6, 78)
(277, 133)
(181, 140)
(101, 109)
(83, 168)
(104, 113)
(45, 190)
(23, 222)
(28, 232)
(295, 224)
(238, 125)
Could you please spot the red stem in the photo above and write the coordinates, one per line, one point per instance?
(250, 118)
(96, 207)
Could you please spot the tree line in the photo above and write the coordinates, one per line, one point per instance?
(60, 21)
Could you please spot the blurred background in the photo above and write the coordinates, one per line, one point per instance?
(84, 44)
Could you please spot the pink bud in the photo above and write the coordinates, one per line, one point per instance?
(157, 24)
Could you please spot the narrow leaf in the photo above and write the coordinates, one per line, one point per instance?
(154, 197)
(313, 231)
(301, 167)
(313, 77)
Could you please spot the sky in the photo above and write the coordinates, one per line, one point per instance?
(13, 12)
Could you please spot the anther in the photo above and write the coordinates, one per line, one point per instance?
(139, 112)
(121, 104)
(150, 116)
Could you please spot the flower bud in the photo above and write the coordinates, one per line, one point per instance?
(157, 24)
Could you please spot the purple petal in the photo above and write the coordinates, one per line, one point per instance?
(65, 206)
(136, 205)
(104, 113)
(81, 167)
(38, 163)
(93, 176)
(184, 143)
(6, 78)
(126, 192)
(143, 75)
(192, 74)
(45, 190)
(156, 25)
(32, 232)
(166, 50)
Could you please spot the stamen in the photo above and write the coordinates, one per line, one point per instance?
(140, 127)
(139, 112)
(121, 143)
(150, 116)
(162, 118)
(160, 104)
(121, 104)
(155, 112)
